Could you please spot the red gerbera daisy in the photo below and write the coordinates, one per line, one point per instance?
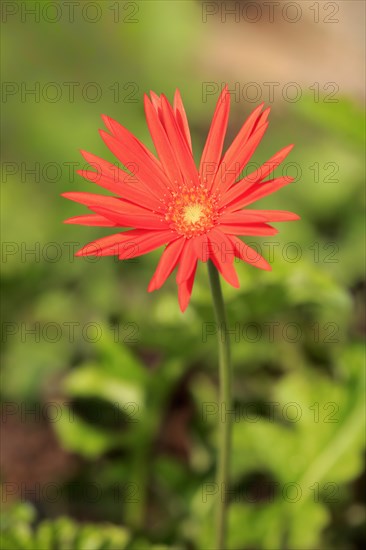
(167, 201)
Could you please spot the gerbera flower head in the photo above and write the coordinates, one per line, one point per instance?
(164, 200)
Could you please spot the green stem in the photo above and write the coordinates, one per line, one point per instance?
(222, 475)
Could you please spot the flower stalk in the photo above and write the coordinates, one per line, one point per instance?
(224, 430)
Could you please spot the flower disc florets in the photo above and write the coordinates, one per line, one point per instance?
(192, 210)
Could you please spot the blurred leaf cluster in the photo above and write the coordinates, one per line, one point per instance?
(61, 534)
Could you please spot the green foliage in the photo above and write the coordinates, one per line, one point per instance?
(309, 443)
(60, 534)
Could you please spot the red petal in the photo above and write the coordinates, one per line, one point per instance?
(269, 215)
(263, 189)
(145, 171)
(248, 254)
(103, 201)
(167, 263)
(162, 144)
(91, 199)
(126, 191)
(103, 167)
(156, 101)
(147, 242)
(185, 290)
(99, 246)
(104, 181)
(250, 229)
(261, 120)
(201, 247)
(91, 219)
(232, 154)
(126, 219)
(228, 173)
(182, 153)
(270, 165)
(241, 193)
(122, 213)
(242, 216)
(222, 255)
(127, 139)
(211, 155)
(187, 262)
(181, 118)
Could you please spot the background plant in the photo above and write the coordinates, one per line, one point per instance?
(135, 376)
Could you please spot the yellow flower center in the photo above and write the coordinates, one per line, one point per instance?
(192, 211)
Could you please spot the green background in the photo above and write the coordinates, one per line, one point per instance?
(118, 379)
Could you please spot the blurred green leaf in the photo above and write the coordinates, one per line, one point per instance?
(62, 534)
(80, 437)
